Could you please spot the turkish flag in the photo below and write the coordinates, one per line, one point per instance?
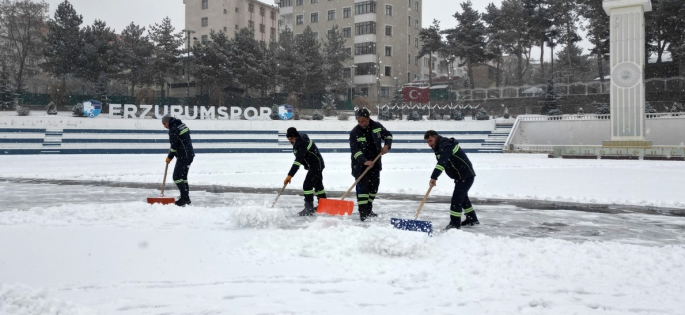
(416, 94)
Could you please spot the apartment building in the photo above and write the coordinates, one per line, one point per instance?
(383, 38)
(229, 16)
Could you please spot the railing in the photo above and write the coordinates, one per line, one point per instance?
(665, 115)
(563, 117)
(674, 84)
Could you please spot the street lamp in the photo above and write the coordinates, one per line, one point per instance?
(188, 31)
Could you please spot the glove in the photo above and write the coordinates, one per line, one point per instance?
(168, 160)
(287, 180)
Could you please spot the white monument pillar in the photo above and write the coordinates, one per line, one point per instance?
(627, 41)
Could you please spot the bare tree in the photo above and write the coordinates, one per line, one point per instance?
(21, 25)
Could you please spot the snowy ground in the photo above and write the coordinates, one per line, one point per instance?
(103, 250)
(503, 176)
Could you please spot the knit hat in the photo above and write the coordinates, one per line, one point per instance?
(166, 119)
(292, 133)
(363, 113)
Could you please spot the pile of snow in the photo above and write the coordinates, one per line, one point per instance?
(21, 300)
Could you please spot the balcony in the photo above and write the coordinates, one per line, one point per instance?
(365, 79)
(366, 17)
(285, 10)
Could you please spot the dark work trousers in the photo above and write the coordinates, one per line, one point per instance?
(367, 189)
(181, 176)
(313, 185)
(460, 198)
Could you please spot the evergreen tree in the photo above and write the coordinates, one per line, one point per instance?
(467, 40)
(101, 57)
(517, 35)
(550, 105)
(167, 50)
(312, 83)
(215, 61)
(335, 55)
(495, 30)
(432, 43)
(582, 67)
(21, 24)
(136, 57)
(289, 62)
(539, 24)
(566, 20)
(249, 60)
(5, 87)
(63, 42)
(597, 28)
(664, 27)
(271, 65)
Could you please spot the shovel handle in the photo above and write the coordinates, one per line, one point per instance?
(164, 180)
(360, 177)
(279, 195)
(423, 202)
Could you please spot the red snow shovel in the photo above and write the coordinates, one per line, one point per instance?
(341, 207)
(161, 199)
(415, 225)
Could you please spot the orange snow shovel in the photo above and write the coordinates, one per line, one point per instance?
(341, 207)
(161, 199)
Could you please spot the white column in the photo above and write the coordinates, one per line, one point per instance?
(627, 42)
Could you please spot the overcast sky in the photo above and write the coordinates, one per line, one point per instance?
(119, 13)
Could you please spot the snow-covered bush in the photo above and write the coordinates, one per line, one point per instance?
(506, 113)
(386, 114)
(649, 109)
(317, 115)
(274, 113)
(328, 106)
(52, 109)
(555, 112)
(603, 110)
(77, 110)
(482, 114)
(343, 116)
(581, 111)
(23, 111)
(415, 115)
(456, 114)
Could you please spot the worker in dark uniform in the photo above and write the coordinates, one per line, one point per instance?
(453, 161)
(182, 149)
(307, 155)
(366, 142)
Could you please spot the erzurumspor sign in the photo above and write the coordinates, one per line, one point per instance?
(189, 112)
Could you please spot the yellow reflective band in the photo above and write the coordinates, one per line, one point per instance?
(178, 181)
(468, 210)
(362, 139)
(377, 130)
(388, 138)
(183, 131)
(310, 145)
(456, 148)
(362, 202)
(363, 196)
(455, 214)
(308, 192)
(440, 167)
(320, 192)
(356, 155)
(297, 163)
(172, 150)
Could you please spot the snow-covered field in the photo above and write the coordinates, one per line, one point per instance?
(505, 176)
(99, 250)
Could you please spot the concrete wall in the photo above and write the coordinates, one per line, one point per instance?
(662, 131)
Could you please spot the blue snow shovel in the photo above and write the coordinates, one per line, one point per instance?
(415, 225)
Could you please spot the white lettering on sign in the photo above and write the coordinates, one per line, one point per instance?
(130, 111)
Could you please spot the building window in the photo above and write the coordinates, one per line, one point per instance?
(347, 12)
(205, 39)
(409, 39)
(416, 24)
(280, 23)
(388, 30)
(409, 20)
(250, 24)
(416, 42)
(298, 2)
(315, 35)
(416, 61)
(225, 11)
(315, 18)
(385, 91)
(237, 10)
(365, 7)
(262, 11)
(329, 34)
(408, 77)
(225, 29)
(388, 10)
(273, 31)
(368, 48)
(365, 69)
(236, 26)
(205, 22)
(416, 6)
(262, 28)
(205, 4)
(273, 15)
(425, 62)
(331, 15)
(315, 1)
(299, 20)
(364, 92)
(347, 32)
(365, 28)
(388, 51)
(347, 73)
(409, 58)
(388, 71)
(286, 3)
(251, 7)
(348, 50)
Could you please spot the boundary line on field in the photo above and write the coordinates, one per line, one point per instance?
(531, 204)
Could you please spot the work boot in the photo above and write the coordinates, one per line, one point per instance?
(364, 213)
(454, 224)
(182, 202)
(308, 210)
(471, 219)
